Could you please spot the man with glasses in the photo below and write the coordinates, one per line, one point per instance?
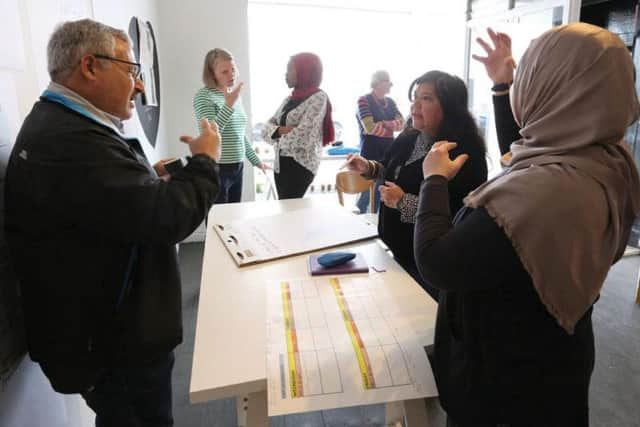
(134, 67)
(92, 228)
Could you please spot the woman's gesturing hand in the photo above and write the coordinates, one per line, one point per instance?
(499, 63)
(232, 95)
(437, 161)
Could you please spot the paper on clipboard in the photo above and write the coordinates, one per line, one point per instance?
(261, 239)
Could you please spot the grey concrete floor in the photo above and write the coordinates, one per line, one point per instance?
(615, 385)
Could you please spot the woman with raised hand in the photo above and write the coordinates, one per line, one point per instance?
(521, 265)
(301, 126)
(500, 67)
(219, 101)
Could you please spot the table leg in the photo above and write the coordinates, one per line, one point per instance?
(252, 410)
(242, 403)
(415, 412)
(409, 413)
(394, 413)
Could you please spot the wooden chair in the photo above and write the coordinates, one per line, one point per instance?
(350, 182)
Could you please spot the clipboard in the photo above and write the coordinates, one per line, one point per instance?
(261, 239)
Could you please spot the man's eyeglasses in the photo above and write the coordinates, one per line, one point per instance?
(135, 66)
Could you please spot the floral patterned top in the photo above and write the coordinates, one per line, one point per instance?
(304, 142)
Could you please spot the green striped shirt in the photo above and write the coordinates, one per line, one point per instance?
(209, 103)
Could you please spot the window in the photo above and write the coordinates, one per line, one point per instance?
(353, 38)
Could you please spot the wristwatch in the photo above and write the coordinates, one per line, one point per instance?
(499, 87)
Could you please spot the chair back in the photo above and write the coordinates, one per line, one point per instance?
(350, 182)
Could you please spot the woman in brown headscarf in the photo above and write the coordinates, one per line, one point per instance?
(524, 262)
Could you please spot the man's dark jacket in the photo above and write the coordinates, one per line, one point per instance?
(92, 233)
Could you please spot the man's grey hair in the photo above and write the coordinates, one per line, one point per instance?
(72, 40)
(377, 77)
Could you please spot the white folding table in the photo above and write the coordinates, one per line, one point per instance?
(229, 357)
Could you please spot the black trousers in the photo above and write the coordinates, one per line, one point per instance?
(293, 179)
(136, 395)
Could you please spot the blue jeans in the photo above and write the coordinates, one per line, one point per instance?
(230, 183)
(363, 200)
(134, 395)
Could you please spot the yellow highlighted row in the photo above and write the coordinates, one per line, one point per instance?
(368, 381)
(295, 375)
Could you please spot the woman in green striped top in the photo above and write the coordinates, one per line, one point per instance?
(219, 100)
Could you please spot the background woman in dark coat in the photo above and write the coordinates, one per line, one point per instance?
(438, 112)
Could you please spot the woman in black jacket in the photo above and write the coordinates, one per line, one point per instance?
(438, 112)
(521, 265)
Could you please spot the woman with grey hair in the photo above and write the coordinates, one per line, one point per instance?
(521, 265)
(219, 101)
(378, 118)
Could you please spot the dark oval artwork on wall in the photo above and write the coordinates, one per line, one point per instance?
(146, 53)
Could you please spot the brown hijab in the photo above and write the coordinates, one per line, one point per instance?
(571, 193)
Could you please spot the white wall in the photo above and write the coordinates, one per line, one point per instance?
(194, 27)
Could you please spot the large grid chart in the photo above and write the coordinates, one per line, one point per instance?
(331, 344)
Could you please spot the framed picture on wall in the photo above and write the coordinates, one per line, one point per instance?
(146, 53)
(147, 47)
